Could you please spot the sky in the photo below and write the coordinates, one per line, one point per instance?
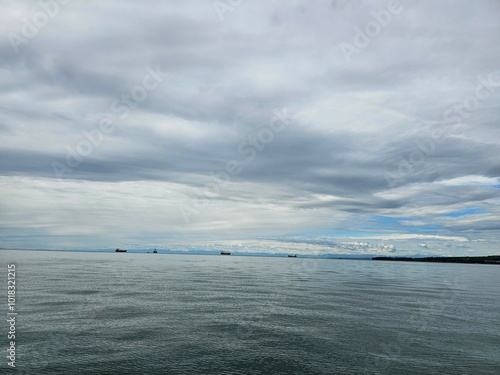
(307, 127)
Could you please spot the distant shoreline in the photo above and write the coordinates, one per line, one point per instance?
(491, 259)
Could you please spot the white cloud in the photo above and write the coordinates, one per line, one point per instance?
(471, 180)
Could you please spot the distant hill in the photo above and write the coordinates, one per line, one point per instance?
(491, 259)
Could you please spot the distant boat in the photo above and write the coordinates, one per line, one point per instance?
(225, 253)
(154, 251)
(120, 251)
(292, 256)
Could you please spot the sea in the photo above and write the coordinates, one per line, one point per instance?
(130, 313)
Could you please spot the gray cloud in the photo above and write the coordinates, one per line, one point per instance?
(360, 143)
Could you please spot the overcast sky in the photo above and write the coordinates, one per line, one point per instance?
(278, 126)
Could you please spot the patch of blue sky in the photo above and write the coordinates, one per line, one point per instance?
(465, 212)
(427, 228)
(389, 219)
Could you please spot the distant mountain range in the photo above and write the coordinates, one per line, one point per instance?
(492, 259)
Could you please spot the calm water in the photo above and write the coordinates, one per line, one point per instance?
(97, 313)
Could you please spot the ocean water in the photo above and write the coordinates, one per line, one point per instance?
(107, 313)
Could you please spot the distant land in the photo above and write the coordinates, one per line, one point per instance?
(491, 259)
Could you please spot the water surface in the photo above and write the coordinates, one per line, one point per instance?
(107, 313)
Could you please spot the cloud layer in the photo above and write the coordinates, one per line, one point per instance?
(190, 124)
